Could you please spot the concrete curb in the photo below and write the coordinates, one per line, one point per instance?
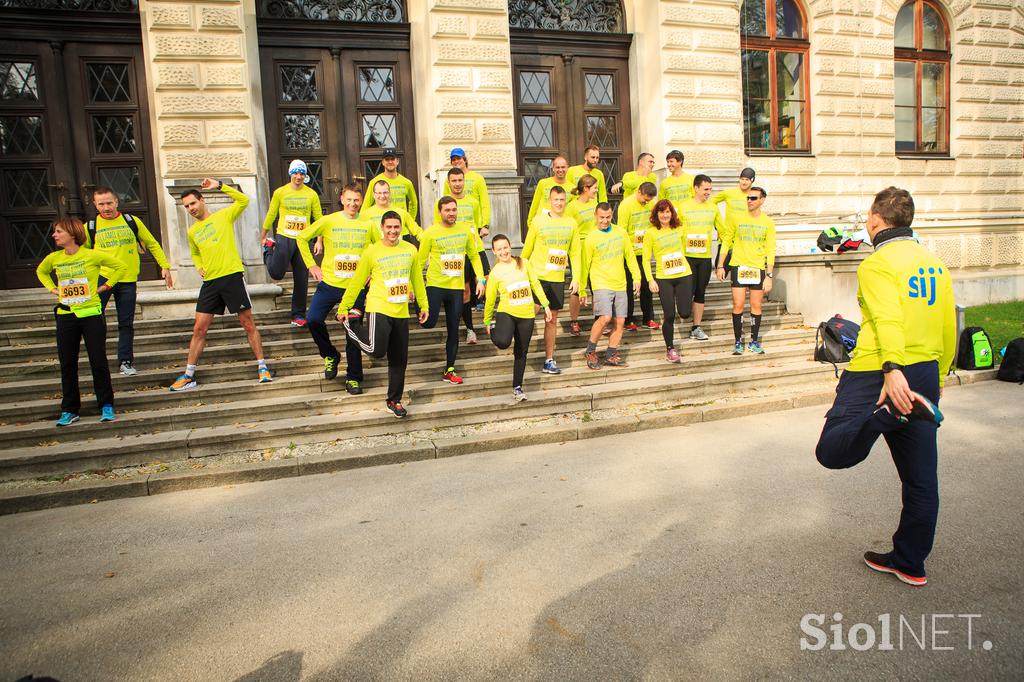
(154, 484)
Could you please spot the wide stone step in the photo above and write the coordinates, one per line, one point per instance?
(326, 417)
(298, 343)
(295, 396)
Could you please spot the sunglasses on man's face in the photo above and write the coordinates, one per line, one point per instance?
(753, 197)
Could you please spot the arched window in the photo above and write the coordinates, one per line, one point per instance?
(922, 79)
(774, 46)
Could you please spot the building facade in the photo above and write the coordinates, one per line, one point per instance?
(829, 100)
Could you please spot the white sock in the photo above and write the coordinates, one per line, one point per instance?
(262, 363)
(190, 370)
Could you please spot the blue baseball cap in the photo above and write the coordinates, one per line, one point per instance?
(457, 152)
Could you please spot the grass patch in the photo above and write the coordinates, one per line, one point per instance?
(1003, 321)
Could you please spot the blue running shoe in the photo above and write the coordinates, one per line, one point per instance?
(755, 347)
(550, 367)
(738, 348)
(67, 419)
(107, 413)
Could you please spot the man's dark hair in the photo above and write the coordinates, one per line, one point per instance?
(192, 192)
(700, 179)
(556, 189)
(675, 154)
(103, 189)
(648, 189)
(641, 157)
(390, 215)
(591, 148)
(379, 183)
(444, 201)
(455, 170)
(894, 206)
(351, 187)
(603, 206)
(761, 190)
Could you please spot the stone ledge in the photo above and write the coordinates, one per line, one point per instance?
(238, 473)
(341, 460)
(70, 494)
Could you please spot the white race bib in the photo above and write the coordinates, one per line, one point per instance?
(519, 293)
(696, 243)
(397, 289)
(557, 259)
(345, 265)
(673, 264)
(74, 290)
(293, 225)
(638, 237)
(452, 264)
(745, 275)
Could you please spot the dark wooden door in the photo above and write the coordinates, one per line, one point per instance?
(336, 110)
(565, 100)
(72, 115)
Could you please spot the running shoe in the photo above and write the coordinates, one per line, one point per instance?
(672, 355)
(592, 360)
(518, 395)
(107, 413)
(651, 324)
(127, 369)
(738, 348)
(67, 419)
(353, 387)
(755, 347)
(298, 321)
(631, 327)
(451, 377)
(396, 409)
(921, 409)
(184, 383)
(265, 376)
(615, 361)
(471, 337)
(698, 334)
(883, 564)
(551, 367)
(574, 328)
(331, 366)
(479, 307)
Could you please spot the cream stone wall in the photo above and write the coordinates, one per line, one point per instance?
(202, 72)
(463, 79)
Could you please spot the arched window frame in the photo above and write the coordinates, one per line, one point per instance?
(773, 45)
(919, 57)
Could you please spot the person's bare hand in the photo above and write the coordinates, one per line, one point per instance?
(574, 287)
(316, 273)
(548, 315)
(653, 286)
(210, 183)
(168, 280)
(898, 391)
(422, 317)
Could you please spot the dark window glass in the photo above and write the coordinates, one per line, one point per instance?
(113, 134)
(21, 135)
(109, 83)
(30, 240)
(298, 84)
(124, 181)
(27, 188)
(302, 131)
(601, 131)
(18, 81)
(379, 130)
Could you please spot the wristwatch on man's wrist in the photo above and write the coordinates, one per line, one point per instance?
(890, 366)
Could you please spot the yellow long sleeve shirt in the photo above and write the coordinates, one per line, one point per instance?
(752, 241)
(409, 226)
(577, 172)
(345, 239)
(606, 255)
(475, 187)
(551, 243)
(699, 221)
(632, 180)
(403, 194)
(677, 189)
(444, 250)
(635, 218)
(666, 248)
(469, 216)
(212, 241)
(908, 314)
(541, 196)
(116, 238)
(583, 213)
(514, 289)
(394, 272)
(77, 278)
(292, 210)
(735, 201)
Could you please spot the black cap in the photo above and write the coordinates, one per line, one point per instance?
(748, 173)
(389, 151)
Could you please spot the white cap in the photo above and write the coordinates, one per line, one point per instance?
(298, 166)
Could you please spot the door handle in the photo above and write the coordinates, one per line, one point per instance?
(359, 177)
(334, 181)
(60, 187)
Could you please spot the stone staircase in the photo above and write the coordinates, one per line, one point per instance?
(231, 412)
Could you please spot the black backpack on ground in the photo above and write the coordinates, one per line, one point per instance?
(834, 340)
(1012, 367)
(975, 350)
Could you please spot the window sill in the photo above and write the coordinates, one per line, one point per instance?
(926, 157)
(778, 152)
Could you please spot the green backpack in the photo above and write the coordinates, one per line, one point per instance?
(975, 350)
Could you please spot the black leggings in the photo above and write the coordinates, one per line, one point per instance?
(467, 310)
(676, 296)
(508, 328)
(451, 301)
(285, 253)
(70, 332)
(646, 297)
(381, 335)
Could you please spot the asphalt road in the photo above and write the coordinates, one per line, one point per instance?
(686, 553)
